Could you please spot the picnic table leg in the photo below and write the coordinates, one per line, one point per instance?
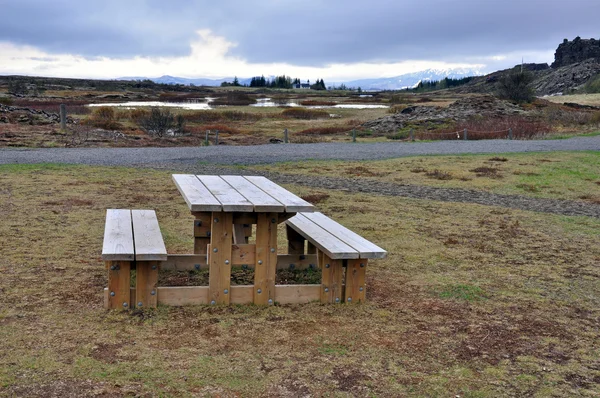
(266, 258)
(119, 280)
(146, 279)
(295, 241)
(331, 278)
(239, 234)
(355, 281)
(202, 231)
(219, 274)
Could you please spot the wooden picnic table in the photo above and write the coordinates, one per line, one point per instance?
(225, 208)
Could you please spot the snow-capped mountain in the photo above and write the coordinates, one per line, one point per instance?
(412, 79)
(385, 83)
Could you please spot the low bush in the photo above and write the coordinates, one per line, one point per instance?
(234, 98)
(317, 103)
(158, 122)
(400, 135)
(6, 101)
(515, 86)
(324, 131)
(303, 113)
(104, 117)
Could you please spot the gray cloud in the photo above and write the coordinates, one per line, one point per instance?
(309, 32)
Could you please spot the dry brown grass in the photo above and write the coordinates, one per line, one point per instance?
(472, 301)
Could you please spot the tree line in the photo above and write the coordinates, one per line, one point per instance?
(446, 82)
(282, 81)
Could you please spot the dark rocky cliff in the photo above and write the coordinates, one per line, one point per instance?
(571, 52)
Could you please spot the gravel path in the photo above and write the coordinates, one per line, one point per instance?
(273, 153)
(214, 160)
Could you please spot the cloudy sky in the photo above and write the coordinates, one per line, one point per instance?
(336, 40)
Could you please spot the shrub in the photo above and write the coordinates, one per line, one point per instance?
(400, 135)
(137, 114)
(104, 118)
(317, 103)
(323, 131)
(6, 101)
(303, 113)
(234, 98)
(515, 86)
(158, 122)
(593, 85)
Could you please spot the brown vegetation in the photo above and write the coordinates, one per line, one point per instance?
(303, 113)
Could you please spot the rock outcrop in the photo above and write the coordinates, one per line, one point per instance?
(578, 50)
(463, 109)
(18, 114)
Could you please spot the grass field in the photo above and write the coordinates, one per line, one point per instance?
(472, 301)
(583, 99)
(558, 175)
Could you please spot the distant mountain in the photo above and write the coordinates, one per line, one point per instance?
(166, 79)
(385, 83)
(412, 79)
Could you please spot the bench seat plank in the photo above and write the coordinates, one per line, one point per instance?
(292, 203)
(262, 201)
(366, 248)
(230, 199)
(326, 242)
(118, 236)
(149, 245)
(196, 195)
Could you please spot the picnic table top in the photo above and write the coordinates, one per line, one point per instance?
(208, 193)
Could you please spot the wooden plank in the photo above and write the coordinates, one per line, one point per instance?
(297, 294)
(326, 242)
(244, 218)
(198, 295)
(146, 281)
(295, 241)
(230, 199)
(355, 289)
(195, 194)
(240, 255)
(266, 259)
(118, 236)
(262, 201)
(149, 245)
(183, 295)
(364, 247)
(239, 234)
(119, 280)
(311, 248)
(184, 262)
(242, 294)
(202, 230)
(220, 258)
(291, 202)
(332, 276)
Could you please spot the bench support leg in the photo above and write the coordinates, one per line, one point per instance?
(146, 279)
(332, 276)
(202, 224)
(119, 280)
(295, 241)
(310, 248)
(265, 267)
(354, 291)
(219, 274)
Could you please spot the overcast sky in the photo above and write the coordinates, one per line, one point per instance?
(332, 39)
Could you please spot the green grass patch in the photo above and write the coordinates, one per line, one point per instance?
(462, 292)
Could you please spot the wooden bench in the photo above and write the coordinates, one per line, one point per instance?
(342, 255)
(132, 239)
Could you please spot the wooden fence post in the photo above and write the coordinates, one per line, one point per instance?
(206, 140)
(510, 135)
(465, 137)
(217, 137)
(63, 117)
(353, 135)
(412, 135)
(285, 136)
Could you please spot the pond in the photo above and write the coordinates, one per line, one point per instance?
(204, 104)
